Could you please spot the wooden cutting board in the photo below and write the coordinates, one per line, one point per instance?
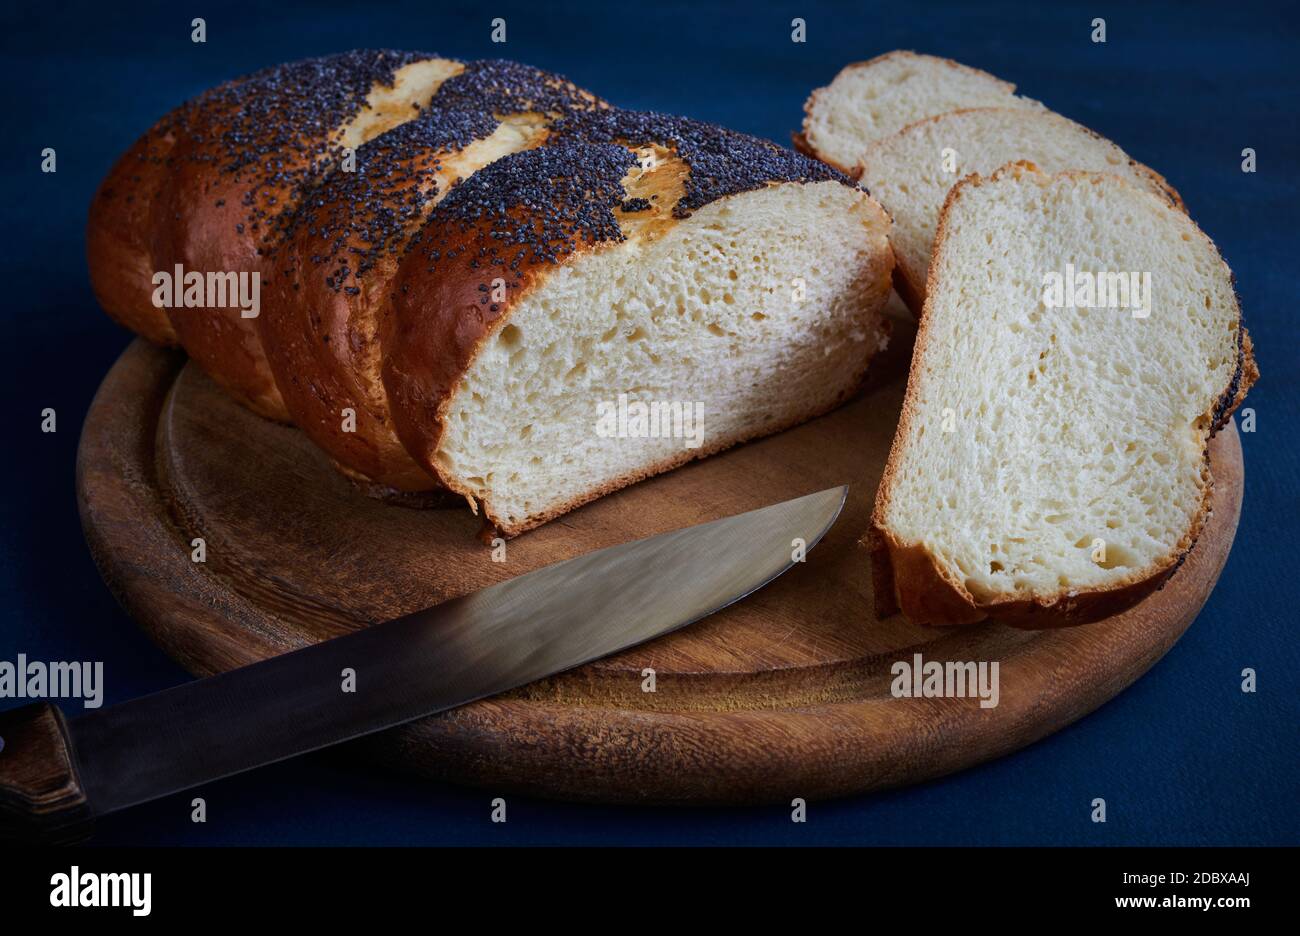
(784, 694)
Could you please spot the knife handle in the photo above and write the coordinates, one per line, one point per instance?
(41, 799)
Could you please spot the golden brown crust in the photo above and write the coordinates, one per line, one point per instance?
(322, 344)
(196, 223)
(213, 178)
(908, 577)
(118, 238)
(911, 582)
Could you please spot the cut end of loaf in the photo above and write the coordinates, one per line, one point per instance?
(688, 337)
(1050, 466)
(630, 262)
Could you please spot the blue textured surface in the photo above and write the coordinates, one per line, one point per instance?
(1184, 757)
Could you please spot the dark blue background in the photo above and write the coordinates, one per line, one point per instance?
(1184, 757)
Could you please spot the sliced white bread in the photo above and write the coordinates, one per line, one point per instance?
(871, 100)
(912, 171)
(1050, 464)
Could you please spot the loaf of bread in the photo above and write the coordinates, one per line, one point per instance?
(911, 172)
(1050, 465)
(207, 187)
(868, 101)
(481, 279)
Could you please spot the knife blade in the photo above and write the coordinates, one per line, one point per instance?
(529, 627)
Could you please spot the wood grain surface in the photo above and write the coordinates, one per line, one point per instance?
(41, 799)
(785, 694)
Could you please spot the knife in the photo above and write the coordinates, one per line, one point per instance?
(57, 775)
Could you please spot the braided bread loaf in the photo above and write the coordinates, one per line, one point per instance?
(208, 185)
(508, 269)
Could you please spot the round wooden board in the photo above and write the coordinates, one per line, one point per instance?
(784, 694)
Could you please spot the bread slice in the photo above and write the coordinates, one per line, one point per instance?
(729, 287)
(1033, 436)
(320, 318)
(871, 100)
(912, 171)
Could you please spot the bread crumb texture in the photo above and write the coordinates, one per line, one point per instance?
(871, 100)
(1031, 434)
